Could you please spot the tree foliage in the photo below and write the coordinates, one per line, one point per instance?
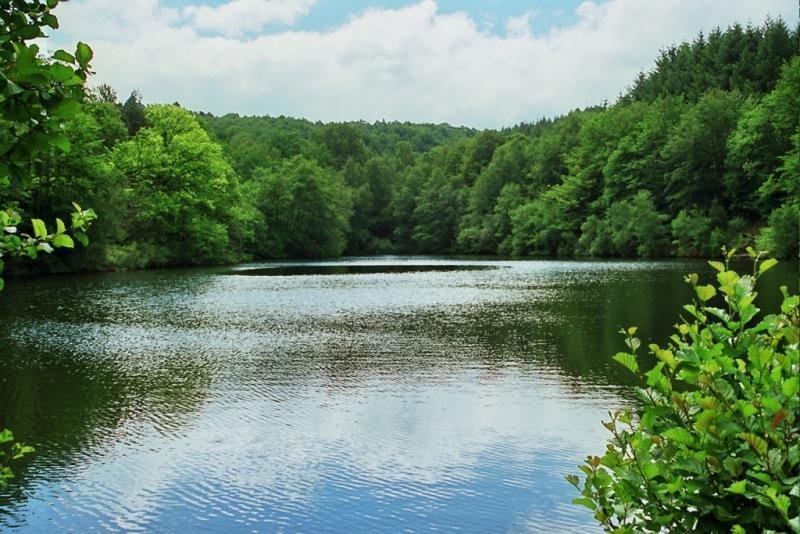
(702, 152)
(306, 209)
(744, 59)
(36, 92)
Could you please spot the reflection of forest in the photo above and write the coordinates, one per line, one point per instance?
(74, 389)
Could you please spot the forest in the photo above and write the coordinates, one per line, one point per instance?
(699, 152)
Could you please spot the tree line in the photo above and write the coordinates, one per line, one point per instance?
(700, 152)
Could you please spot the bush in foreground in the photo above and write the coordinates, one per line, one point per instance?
(714, 443)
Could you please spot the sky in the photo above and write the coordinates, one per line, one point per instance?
(479, 63)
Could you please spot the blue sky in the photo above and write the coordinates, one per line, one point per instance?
(489, 63)
(492, 14)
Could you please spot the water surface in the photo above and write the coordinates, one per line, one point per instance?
(385, 394)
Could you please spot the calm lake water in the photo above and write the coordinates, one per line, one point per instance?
(368, 394)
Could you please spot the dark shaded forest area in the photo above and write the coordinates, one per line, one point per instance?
(702, 151)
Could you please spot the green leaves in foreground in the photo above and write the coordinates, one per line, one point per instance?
(714, 444)
(10, 451)
(15, 242)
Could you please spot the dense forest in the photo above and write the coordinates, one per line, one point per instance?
(701, 151)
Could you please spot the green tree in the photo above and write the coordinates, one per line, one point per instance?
(181, 190)
(306, 210)
(510, 164)
(690, 234)
(781, 236)
(629, 228)
(87, 173)
(508, 200)
(133, 113)
(343, 141)
(746, 60)
(370, 224)
(696, 150)
(764, 142)
(636, 162)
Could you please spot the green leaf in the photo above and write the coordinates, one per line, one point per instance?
(82, 238)
(63, 240)
(59, 73)
(627, 360)
(67, 108)
(63, 55)
(657, 380)
(718, 265)
(775, 460)
(39, 228)
(757, 443)
(6, 435)
(790, 386)
(27, 32)
(651, 470)
(732, 465)
(746, 408)
(790, 303)
(704, 293)
(704, 420)
(585, 501)
(633, 343)
(83, 54)
(770, 403)
(766, 265)
(782, 503)
(738, 487)
(727, 278)
(60, 141)
(681, 435)
(50, 20)
(60, 228)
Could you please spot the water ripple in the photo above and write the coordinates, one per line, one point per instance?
(442, 399)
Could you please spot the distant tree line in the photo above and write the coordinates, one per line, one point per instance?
(703, 150)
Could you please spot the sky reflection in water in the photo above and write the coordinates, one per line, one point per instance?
(359, 395)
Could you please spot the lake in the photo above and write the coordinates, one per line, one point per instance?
(368, 394)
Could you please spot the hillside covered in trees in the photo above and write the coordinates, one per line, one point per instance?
(701, 151)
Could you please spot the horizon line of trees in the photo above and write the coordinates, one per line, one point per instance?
(702, 151)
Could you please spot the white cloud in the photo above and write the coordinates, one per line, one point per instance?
(238, 17)
(520, 25)
(414, 63)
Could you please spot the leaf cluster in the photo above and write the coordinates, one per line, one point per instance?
(14, 242)
(10, 451)
(714, 444)
(37, 93)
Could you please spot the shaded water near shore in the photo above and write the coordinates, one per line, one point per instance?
(367, 394)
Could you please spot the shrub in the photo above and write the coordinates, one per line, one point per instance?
(690, 231)
(714, 444)
(631, 227)
(782, 235)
